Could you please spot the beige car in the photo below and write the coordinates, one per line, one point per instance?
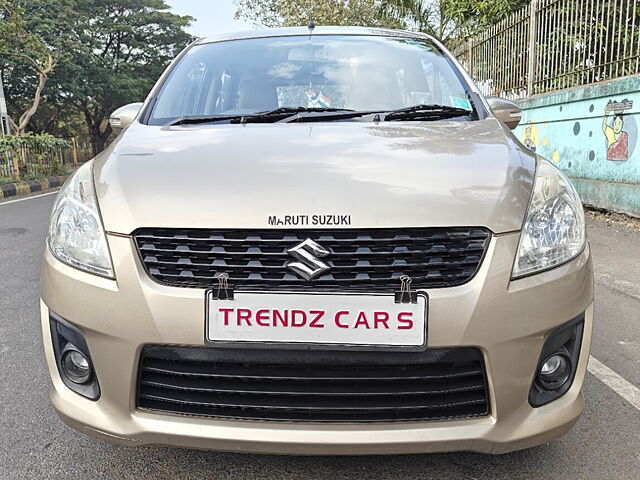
(318, 242)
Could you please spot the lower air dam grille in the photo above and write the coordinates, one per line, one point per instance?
(314, 386)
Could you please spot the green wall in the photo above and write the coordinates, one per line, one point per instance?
(591, 133)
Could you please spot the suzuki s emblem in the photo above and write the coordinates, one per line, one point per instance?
(308, 253)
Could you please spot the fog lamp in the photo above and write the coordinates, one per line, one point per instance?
(75, 365)
(555, 371)
(73, 359)
(557, 364)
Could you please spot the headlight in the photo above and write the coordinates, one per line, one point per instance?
(76, 235)
(554, 229)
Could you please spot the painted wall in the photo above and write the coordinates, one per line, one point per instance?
(591, 133)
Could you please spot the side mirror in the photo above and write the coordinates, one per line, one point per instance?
(506, 111)
(123, 116)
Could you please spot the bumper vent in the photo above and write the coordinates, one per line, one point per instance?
(314, 386)
(366, 260)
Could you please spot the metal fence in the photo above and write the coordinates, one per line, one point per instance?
(32, 162)
(555, 44)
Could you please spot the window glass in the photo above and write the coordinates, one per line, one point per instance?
(339, 71)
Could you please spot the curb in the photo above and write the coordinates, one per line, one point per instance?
(18, 189)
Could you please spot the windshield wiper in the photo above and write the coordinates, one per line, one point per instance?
(426, 112)
(296, 114)
(267, 116)
(328, 115)
(313, 114)
(202, 119)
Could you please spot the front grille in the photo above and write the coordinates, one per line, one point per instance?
(314, 386)
(365, 260)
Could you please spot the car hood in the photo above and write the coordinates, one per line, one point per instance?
(409, 174)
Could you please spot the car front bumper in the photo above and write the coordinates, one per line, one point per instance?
(508, 320)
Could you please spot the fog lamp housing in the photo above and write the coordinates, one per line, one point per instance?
(73, 359)
(558, 362)
(75, 365)
(554, 371)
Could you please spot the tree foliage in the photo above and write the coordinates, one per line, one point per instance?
(447, 20)
(450, 20)
(52, 20)
(43, 151)
(25, 47)
(42, 141)
(278, 13)
(108, 53)
(123, 46)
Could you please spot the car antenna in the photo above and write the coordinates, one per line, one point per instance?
(311, 25)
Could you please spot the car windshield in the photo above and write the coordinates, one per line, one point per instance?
(362, 73)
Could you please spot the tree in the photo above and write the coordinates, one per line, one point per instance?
(450, 20)
(18, 42)
(446, 20)
(107, 53)
(278, 13)
(54, 21)
(123, 46)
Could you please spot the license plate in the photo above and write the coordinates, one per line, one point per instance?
(316, 319)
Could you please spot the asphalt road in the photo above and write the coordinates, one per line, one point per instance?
(34, 444)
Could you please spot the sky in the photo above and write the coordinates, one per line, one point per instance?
(212, 16)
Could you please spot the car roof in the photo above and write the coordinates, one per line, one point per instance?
(300, 31)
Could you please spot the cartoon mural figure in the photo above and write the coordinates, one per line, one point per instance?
(617, 138)
(528, 141)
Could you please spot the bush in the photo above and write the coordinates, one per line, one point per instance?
(38, 155)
